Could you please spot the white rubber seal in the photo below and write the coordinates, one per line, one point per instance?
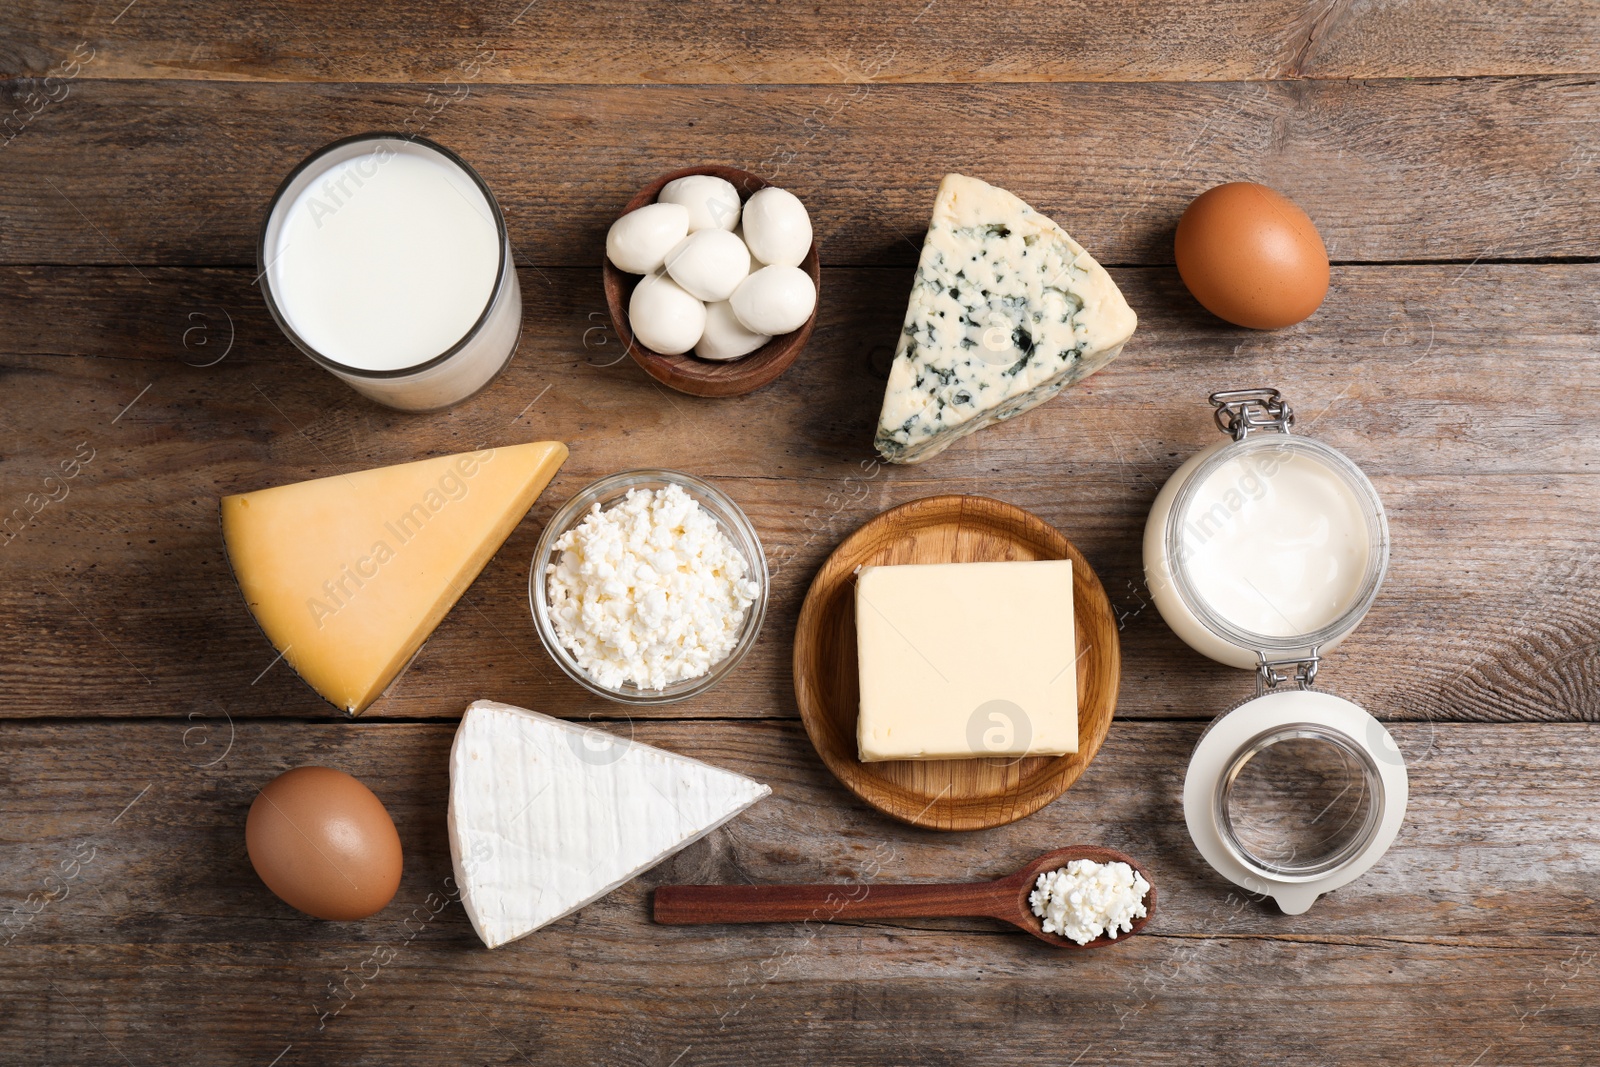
(1230, 733)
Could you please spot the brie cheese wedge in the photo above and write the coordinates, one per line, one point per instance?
(547, 815)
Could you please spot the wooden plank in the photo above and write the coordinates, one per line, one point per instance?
(136, 353)
(1168, 1003)
(1476, 931)
(828, 42)
(1469, 411)
(1394, 170)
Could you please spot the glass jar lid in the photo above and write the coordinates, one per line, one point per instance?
(1298, 801)
(1295, 793)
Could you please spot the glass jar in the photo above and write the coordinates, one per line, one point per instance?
(1265, 552)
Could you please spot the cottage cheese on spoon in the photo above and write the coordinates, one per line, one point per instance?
(1085, 900)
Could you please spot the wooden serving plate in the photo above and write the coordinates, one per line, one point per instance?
(688, 373)
(969, 794)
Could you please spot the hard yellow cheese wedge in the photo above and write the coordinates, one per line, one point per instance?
(349, 575)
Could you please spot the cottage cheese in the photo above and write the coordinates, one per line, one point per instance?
(648, 592)
(1085, 900)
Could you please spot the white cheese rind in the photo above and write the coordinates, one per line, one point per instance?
(1006, 311)
(546, 816)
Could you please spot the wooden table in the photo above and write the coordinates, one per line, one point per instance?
(1447, 150)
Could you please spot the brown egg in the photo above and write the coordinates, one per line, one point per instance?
(324, 843)
(1251, 256)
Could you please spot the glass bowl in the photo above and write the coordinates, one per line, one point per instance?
(606, 492)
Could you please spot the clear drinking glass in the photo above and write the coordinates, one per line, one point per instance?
(438, 379)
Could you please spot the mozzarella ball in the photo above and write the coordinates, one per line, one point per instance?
(639, 241)
(777, 228)
(710, 264)
(664, 317)
(774, 300)
(755, 264)
(713, 202)
(725, 336)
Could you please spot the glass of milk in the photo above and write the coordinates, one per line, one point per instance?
(1265, 552)
(385, 258)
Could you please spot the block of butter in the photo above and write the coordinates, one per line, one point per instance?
(962, 660)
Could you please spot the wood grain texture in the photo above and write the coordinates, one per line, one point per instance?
(1501, 837)
(1470, 411)
(618, 41)
(1225, 1001)
(970, 794)
(1479, 921)
(1393, 170)
(140, 378)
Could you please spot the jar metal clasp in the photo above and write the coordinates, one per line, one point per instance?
(1270, 672)
(1241, 411)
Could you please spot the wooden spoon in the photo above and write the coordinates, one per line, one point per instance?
(1005, 898)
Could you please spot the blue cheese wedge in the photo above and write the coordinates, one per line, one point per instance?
(1006, 311)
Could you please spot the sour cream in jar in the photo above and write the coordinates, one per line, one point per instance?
(1268, 546)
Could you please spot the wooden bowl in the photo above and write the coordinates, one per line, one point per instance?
(688, 373)
(968, 794)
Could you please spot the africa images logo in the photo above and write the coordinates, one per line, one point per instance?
(1000, 728)
(340, 590)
